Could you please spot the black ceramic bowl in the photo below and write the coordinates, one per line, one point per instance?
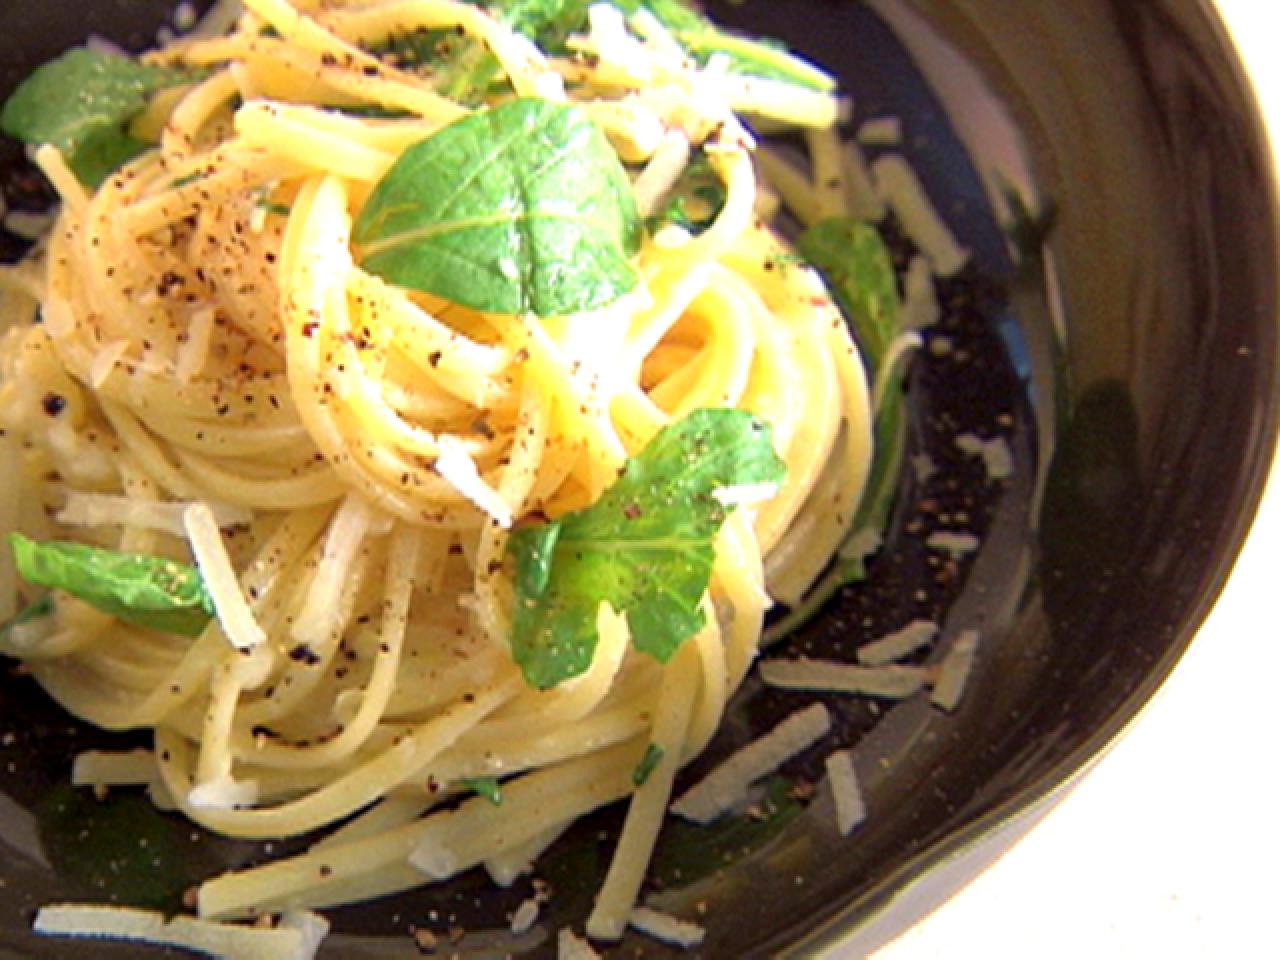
(1104, 161)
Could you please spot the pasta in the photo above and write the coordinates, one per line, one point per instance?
(221, 377)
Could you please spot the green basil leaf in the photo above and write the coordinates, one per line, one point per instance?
(521, 208)
(646, 547)
(534, 551)
(648, 763)
(82, 103)
(695, 201)
(852, 258)
(152, 592)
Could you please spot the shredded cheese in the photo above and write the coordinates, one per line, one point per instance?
(347, 531)
(506, 867)
(899, 644)
(898, 184)
(745, 494)
(664, 169)
(185, 16)
(457, 467)
(224, 793)
(525, 917)
(920, 307)
(865, 203)
(664, 927)
(892, 682)
(727, 784)
(956, 544)
(105, 361)
(435, 860)
(851, 809)
(215, 567)
(103, 768)
(570, 946)
(881, 132)
(953, 675)
(996, 456)
(195, 351)
(296, 940)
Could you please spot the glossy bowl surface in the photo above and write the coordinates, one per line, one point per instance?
(1105, 163)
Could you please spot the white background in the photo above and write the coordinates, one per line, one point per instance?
(1168, 848)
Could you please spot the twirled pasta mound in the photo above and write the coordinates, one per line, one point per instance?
(217, 371)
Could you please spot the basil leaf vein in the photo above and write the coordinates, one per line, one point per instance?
(521, 208)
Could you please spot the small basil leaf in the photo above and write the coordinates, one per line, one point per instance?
(487, 787)
(521, 208)
(648, 763)
(152, 592)
(646, 547)
(82, 103)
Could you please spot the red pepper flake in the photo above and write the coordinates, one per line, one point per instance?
(304, 654)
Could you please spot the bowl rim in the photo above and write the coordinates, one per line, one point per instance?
(1007, 820)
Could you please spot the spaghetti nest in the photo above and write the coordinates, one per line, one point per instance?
(220, 372)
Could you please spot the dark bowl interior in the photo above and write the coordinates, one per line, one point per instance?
(1104, 161)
